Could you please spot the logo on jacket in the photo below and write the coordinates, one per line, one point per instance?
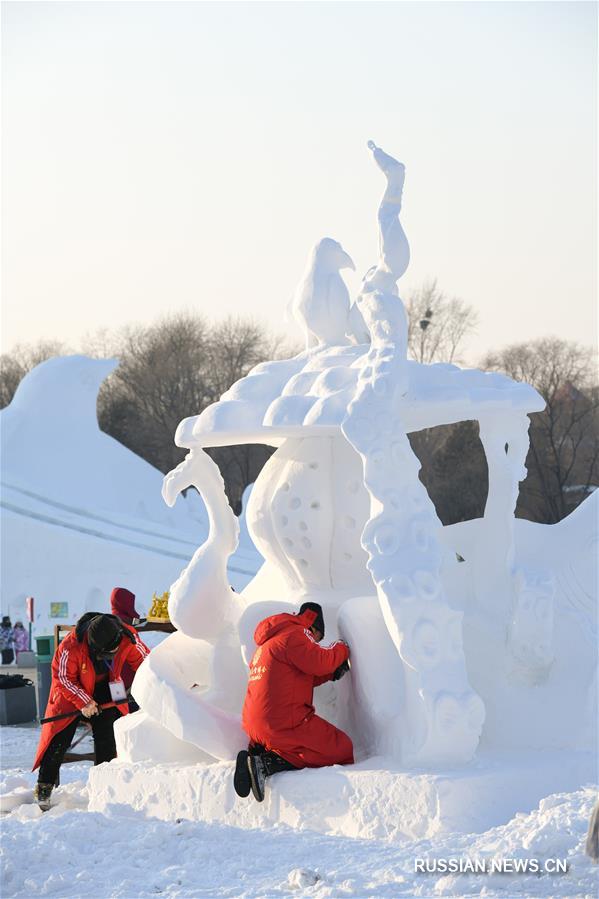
(256, 670)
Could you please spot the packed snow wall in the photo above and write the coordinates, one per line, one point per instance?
(80, 512)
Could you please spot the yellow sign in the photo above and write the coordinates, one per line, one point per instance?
(59, 610)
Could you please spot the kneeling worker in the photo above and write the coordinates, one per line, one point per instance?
(86, 673)
(278, 714)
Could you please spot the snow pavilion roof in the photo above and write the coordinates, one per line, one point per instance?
(308, 395)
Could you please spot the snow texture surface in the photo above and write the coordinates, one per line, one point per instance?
(65, 851)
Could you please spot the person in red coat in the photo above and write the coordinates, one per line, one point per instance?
(122, 604)
(278, 713)
(86, 673)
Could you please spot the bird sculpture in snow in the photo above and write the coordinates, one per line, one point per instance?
(321, 303)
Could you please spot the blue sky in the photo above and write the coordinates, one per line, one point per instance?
(165, 156)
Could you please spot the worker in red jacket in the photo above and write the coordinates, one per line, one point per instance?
(86, 673)
(278, 714)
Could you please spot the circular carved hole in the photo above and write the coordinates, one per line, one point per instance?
(295, 503)
(347, 557)
(306, 543)
(303, 526)
(285, 487)
(315, 505)
(288, 543)
(303, 563)
(350, 522)
(313, 465)
(284, 520)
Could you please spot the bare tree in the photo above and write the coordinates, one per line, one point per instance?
(437, 324)
(563, 461)
(175, 369)
(160, 380)
(437, 330)
(455, 474)
(168, 371)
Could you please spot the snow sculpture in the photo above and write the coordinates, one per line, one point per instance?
(442, 650)
(321, 304)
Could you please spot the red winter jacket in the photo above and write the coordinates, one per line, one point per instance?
(74, 677)
(122, 604)
(284, 670)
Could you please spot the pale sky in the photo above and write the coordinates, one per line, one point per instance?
(168, 156)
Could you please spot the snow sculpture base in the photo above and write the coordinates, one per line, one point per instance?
(140, 738)
(366, 800)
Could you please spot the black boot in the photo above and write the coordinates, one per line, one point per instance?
(262, 766)
(241, 778)
(41, 794)
(258, 775)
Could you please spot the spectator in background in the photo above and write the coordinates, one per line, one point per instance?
(7, 641)
(122, 604)
(21, 638)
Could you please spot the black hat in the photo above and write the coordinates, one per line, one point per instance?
(318, 622)
(6, 620)
(104, 633)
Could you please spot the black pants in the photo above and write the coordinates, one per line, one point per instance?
(104, 744)
(7, 656)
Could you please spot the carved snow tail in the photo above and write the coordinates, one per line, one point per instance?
(394, 250)
(444, 715)
(201, 603)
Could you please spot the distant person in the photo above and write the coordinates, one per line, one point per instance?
(122, 604)
(86, 673)
(7, 640)
(21, 638)
(278, 714)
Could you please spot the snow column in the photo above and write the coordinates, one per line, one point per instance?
(443, 716)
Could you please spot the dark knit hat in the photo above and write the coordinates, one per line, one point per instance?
(104, 633)
(318, 622)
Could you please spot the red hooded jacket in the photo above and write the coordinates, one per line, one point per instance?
(284, 670)
(74, 677)
(122, 604)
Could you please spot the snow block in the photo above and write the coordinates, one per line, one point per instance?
(141, 739)
(365, 800)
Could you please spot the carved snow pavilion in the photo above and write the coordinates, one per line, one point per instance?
(442, 650)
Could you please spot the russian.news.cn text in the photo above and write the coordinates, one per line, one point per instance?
(490, 866)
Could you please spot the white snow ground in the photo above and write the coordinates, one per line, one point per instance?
(70, 851)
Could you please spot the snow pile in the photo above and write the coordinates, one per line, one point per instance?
(371, 799)
(80, 512)
(52, 445)
(127, 853)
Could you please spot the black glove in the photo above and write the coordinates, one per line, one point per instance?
(341, 670)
